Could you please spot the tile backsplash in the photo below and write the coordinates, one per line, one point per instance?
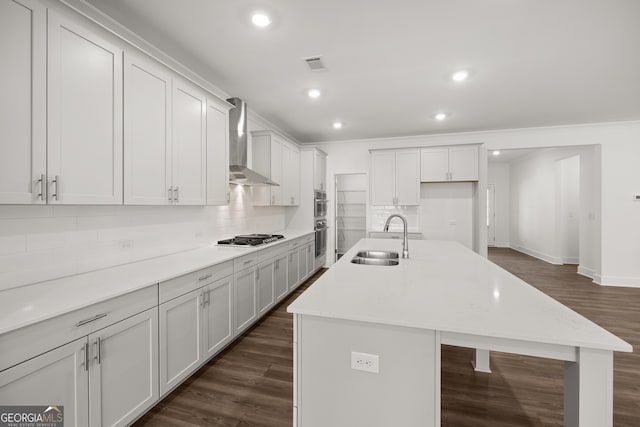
(379, 215)
(40, 243)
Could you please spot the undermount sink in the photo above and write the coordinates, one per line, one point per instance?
(376, 258)
(377, 254)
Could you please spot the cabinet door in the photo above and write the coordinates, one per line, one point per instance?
(319, 171)
(179, 339)
(266, 282)
(280, 276)
(293, 272)
(434, 164)
(217, 154)
(302, 263)
(58, 377)
(463, 163)
(310, 259)
(383, 178)
(244, 299)
(23, 102)
(276, 171)
(294, 177)
(84, 151)
(188, 144)
(147, 132)
(217, 317)
(123, 378)
(407, 167)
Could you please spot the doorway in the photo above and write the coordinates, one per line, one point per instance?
(351, 211)
(568, 209)
(491, 214)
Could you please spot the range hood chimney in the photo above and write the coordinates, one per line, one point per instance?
(239, 173)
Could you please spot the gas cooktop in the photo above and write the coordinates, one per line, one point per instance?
(251, 240)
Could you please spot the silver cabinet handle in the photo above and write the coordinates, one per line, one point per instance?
(86, 356)
(228, 197)
(43, 187)
(277, 263)
(209, 297)
(273, 199)
(98, 345)
(176, 193)
(91, 319)
(248, 262)
(258, 274)
(170, 191)
(56, 182)
(205, 277)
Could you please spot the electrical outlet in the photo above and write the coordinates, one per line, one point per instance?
(126, 244)
(365, 362)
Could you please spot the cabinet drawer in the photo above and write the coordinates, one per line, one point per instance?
(295, 244)
(245, 261)
(181, 285)
(308, 238)
(272, 252)
(30, 341)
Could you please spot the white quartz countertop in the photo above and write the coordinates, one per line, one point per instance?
(447, 287)
(30, 304)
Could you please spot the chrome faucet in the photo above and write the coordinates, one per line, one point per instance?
(405, 241)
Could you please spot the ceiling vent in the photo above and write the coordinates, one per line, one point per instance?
(315, 63)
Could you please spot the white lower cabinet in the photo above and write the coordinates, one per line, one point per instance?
(108, 378)
(57, 377)
(245, 296)
(266, 286)
(293, 271)
(280, 276)
(123, 370)
(193, 327)
(180, 332)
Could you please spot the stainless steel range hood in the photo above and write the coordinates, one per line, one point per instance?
(239, 173)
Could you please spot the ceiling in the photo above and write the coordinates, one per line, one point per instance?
(531, 62)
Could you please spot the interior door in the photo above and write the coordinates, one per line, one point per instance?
(491, 214)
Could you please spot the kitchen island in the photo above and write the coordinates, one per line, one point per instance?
(358, 319)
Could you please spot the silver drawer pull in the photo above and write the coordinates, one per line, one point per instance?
(98, 345)
(205, 277)
(91, 319)
(86, 356)
(248, 262)
(43, 187)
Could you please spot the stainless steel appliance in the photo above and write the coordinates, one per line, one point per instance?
(250, 240)
(319, 204)
(321, 236)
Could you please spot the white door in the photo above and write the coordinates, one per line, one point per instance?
(147, 132)
(189, 144)
(408, 177)
(23, 111)
(280, 276)
(293, 273)
(266, 282)
(434, 164)
(179, 338)
(276, 171)
(383, 178)
(463, 163)
(217, 154)
(217, 316)
(84, 151)
(123, 378)
(244, 299)
(491, 214)
(58, 377)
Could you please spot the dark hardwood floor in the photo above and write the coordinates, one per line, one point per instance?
(250, 383)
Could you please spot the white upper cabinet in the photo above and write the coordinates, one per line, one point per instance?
(84, 150)
(23, 102)
(440, 164)
(395, 178)
(279, 161)
(147, 137)
(319, 170)
(188, 144)
(217, 152)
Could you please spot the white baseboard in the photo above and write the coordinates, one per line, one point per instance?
(570, 260)
(501, 245)
(587, 272)
(542, 256)
(625, 282)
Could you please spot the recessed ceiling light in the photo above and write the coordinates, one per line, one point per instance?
(260, 20)
(440, 116)
(314, 93)
(337, 125)
(496, 152)
(460, 76)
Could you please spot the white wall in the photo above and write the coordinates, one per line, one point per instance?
(446, 212)
(569, 213)
(620, 178)
(498, 174)
(44, 242)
